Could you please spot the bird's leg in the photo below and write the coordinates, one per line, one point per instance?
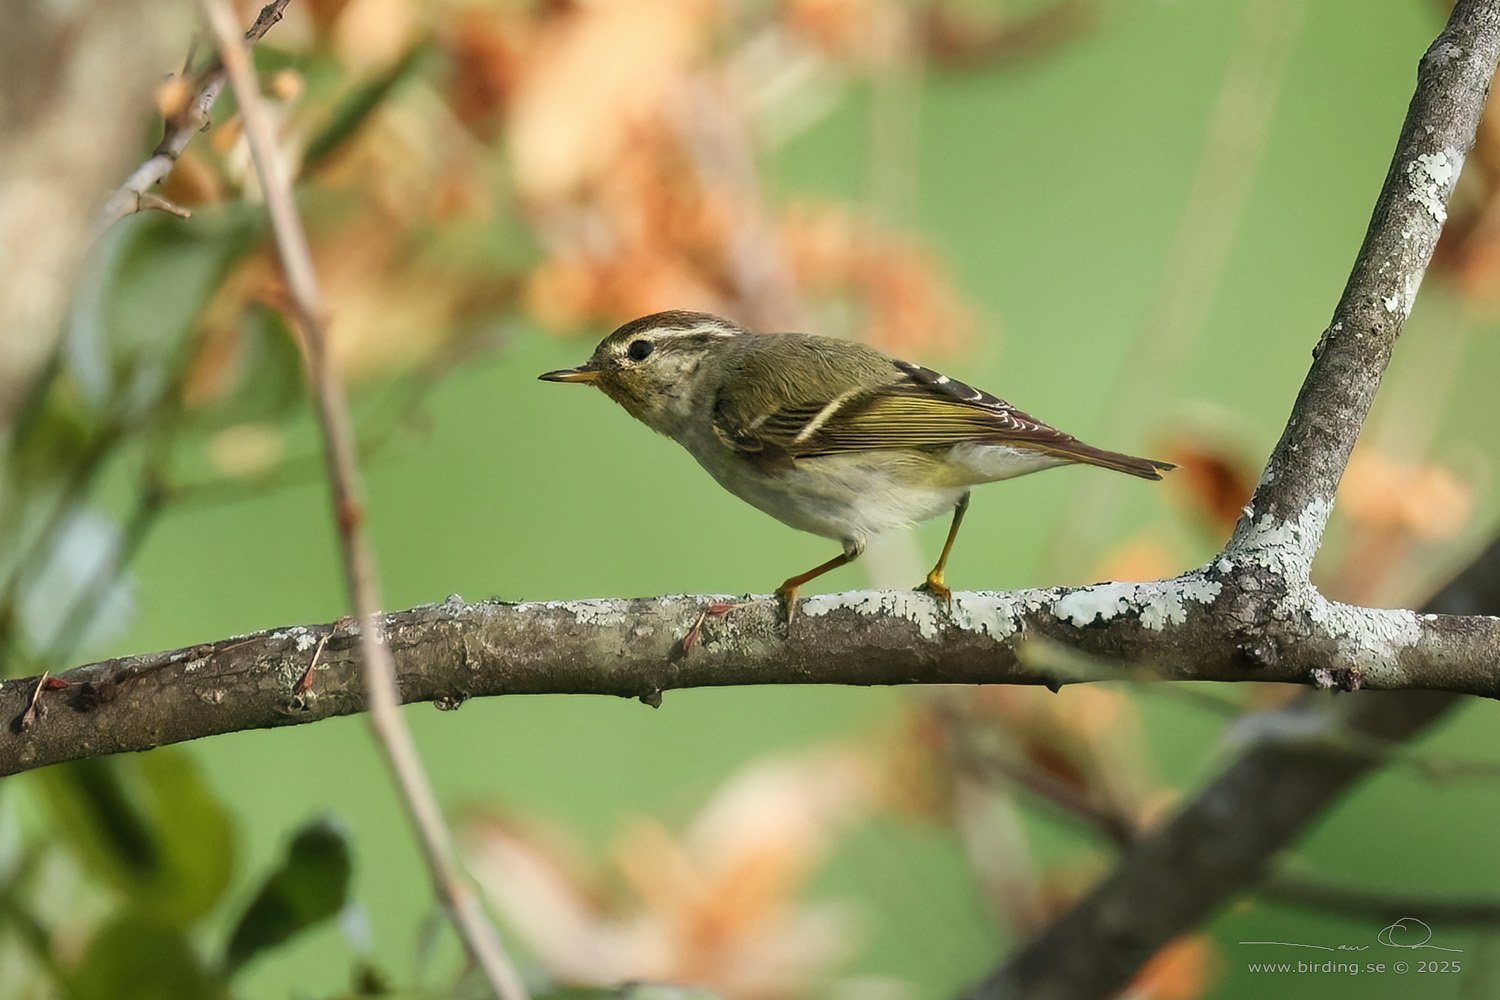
(788, 590)
(934, 584)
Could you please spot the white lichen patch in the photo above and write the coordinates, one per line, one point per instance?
(603, 612)
(305, 639)
(1431, 176)
(918, 608)
(1157, 604)
(1369, 638)
(998, 616)
(1284, 547)
(1105, 601)
(1399, 303)
(1166, 603)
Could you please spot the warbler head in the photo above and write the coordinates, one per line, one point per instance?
(652, 366)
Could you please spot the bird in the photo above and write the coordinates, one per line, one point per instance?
(829, 436)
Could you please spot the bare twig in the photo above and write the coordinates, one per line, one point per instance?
(156, 203)
(310, 317)
(134, 195)
(1362, 901)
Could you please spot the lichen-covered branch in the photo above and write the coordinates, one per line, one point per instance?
(1223, 841)
(1184, 629)
(1250, 614)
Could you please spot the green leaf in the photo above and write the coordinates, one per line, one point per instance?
(355, 109)
(269, 384)
(150, 826)
(100, 821)
(165, 274)
(195, 832)
(56, 436)
(137, 957)
(311, 885)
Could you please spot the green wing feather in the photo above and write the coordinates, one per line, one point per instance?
(914, 409)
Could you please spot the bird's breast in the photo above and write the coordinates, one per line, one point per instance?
(845, 496)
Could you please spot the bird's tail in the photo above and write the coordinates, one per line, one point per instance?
(1077, 451)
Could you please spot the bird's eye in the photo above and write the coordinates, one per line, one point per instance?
(639, 350)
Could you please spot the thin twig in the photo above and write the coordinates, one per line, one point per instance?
(1362, 901)
(29, 718)
(310, 317)
(1080, 804)
(134, 195)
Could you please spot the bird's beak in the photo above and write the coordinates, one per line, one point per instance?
(583, 373)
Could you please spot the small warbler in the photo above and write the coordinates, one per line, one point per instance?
(828, 436)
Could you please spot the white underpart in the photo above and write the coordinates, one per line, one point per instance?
(988, 463)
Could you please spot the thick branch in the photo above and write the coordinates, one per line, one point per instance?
(1224, 840)
(449, 652)
(1452, 84)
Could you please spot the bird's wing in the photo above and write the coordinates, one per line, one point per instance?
(918, 409)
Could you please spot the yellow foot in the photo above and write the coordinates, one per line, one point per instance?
(788, 597)
(938, 589)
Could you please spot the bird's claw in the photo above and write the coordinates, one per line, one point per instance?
(788, 598)
(934, 585)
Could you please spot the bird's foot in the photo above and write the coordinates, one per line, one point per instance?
(788, 596)
(934, 585)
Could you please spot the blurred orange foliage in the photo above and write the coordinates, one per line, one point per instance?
(620, 139)
(1215, 478)
(714, 906)
(1392, 508)
(1182, 969)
